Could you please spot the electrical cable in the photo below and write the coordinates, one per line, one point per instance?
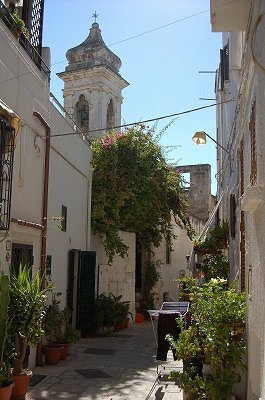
(136, 36)
(143, 122)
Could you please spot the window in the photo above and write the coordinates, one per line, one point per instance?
(224, 65)
(185, 180)
(168, 249)
(64, 219)
(82, 113)
(233, 215)
(7, 142)
(110, 115)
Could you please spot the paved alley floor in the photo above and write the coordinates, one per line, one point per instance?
(119, 367)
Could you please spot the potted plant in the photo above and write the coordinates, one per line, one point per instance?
(215, 266)
(18, 25)
(187, 287)
(6, 349)
(58, 331)
(216, 309)
(211, 338)
(26, 311)
(52, 325)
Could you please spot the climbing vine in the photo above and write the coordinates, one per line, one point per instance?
(135, 190)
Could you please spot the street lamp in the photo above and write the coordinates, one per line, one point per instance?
(200, 138)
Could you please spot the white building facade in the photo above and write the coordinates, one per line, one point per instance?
(240, 128)
(45, 179)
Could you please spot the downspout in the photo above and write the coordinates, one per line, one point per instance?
(45, 193)
(44, 215)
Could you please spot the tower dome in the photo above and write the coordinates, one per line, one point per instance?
(91, 53)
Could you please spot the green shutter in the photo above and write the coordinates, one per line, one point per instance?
(86, 290)
(70, 282)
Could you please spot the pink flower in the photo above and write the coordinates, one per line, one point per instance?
(108, 141)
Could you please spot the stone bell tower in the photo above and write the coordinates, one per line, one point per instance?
(93, 85)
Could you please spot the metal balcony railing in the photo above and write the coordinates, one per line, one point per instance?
(31, 51)
(7, 146)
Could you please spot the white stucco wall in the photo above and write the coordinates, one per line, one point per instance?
(119, 277)
(25, 89)
(70, 186)
(251, 87)
(182, 247)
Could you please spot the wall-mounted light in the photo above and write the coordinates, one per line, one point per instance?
(200, 138)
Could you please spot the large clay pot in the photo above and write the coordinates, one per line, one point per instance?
(52, 353)
(21, 385)
(65, 350)
(5, 392)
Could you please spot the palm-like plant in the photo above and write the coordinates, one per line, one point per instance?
(26, 310)
(6, 350)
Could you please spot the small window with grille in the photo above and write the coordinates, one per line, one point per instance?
(64, 219)
(168, 250)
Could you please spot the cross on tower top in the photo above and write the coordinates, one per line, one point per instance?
(95, 15)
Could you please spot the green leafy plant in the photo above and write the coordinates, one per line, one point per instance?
(135, 190)
(188, 346)
(6, 347)
(191, 382)
(13, 21)
(216, 310)
(187, 287)
(215, 266)
(56, 323)
(19, 24)
(217, 238)
(110, 311)
(26, 312)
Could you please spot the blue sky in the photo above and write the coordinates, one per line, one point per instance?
(162, 66)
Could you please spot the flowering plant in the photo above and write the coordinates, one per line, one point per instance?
(135, 190)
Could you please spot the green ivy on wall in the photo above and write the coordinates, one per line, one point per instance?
(135, 189)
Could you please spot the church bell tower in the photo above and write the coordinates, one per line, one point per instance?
(92, 85)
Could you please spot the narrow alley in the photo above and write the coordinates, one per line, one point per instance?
(119, 367)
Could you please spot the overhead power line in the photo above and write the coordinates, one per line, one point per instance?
(143, 122)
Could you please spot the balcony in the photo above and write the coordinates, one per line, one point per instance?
(14, 27)
(229, 16)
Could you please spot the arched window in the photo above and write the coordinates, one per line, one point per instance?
(82, 112)
(110, 115)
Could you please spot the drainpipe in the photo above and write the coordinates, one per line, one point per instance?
(44, 214)
(45, 193)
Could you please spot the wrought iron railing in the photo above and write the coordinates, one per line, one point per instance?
(7, 146)
(14, 27)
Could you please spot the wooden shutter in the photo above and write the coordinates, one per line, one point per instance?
(85, 317)
(70, 283)
(224, 65)
(253, 149)
(242, 223)
(233, 216)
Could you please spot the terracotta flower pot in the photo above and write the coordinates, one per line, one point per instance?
(5, 392)
(65, 350)
(21, 382)
(52, 353)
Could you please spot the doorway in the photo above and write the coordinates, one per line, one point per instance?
(21, 254)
